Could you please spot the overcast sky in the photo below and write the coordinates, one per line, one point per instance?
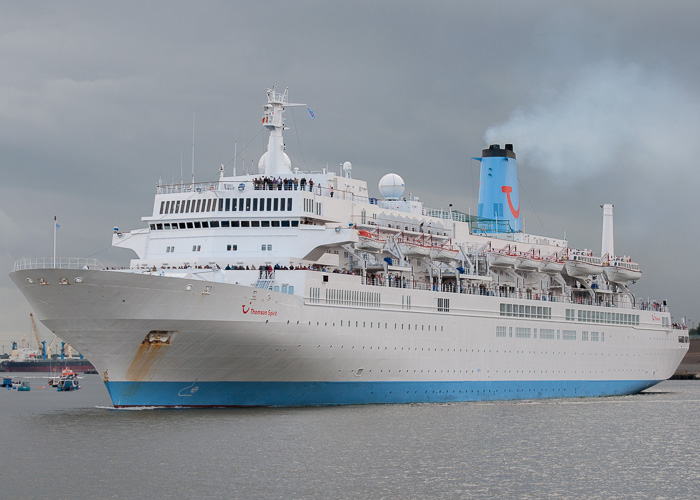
(600, 100)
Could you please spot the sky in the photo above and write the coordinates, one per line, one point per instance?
(600, 99)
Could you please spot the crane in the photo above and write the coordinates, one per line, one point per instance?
(36, 335)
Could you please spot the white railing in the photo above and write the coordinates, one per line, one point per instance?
(61, 263)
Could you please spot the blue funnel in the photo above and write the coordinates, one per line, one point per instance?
(498, 188)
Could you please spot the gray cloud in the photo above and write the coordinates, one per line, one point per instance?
(96, 105)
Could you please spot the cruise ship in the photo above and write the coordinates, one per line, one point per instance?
(291, 287)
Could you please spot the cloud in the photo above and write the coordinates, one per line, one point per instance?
(607, 118)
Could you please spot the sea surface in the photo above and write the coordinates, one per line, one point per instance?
(74, 445)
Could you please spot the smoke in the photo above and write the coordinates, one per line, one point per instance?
(608, 119)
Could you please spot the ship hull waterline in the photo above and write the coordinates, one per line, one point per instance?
(221, 355)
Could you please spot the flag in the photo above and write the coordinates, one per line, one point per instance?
(58, 226)
(311, 113)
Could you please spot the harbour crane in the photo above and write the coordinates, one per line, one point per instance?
(36, 336)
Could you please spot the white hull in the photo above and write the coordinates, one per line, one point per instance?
(215, 337)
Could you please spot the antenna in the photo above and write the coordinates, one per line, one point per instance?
(235, 149)
(181, 176)
(192, 148)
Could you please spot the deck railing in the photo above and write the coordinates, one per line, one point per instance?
(61, 263)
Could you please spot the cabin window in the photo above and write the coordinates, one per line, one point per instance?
(205, 224)
(295, 223)
(255, 204)
(269, 204)
(275, 223)
(159, 226)
(282, 204)
(245, 223)
(235, 223)
(265, 223)
(214, 223)
(225, 223)
(289, 204)
(189, 225)
(162, 206)
(276, 204)
(197, 225)
(285, 223)
(182, 225)
(255, 223)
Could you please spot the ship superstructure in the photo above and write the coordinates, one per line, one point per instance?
(292, 287)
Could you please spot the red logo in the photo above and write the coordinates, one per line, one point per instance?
(508, 190)
(245, 311)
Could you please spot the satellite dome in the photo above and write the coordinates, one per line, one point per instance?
(391, 186)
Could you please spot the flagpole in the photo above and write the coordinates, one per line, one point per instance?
(54, 242)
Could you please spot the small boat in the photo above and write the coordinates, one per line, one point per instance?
(582, 264)
(24, 386)
(551, 266)
(622, 270)
(68, 381)
(502, 259)
(413, 249)
(367, 242)
(443, 253)
(53, 381)
(6, 382)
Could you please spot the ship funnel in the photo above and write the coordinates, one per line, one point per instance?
(499, 197)
(608, 243)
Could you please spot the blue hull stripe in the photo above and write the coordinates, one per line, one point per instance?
(219, 394)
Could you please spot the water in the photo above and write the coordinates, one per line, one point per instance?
(73, 445)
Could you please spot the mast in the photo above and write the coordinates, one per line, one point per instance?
(275, 161)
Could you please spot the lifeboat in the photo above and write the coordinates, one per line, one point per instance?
(501, 259)
(622, 270)
(443, 253)
(368, 243)
(409, 249)
(548, 266)
(582, 264)
(528, 262)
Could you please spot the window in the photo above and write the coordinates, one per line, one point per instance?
(568, 335)
(255, 223)
(269, 204)
(275, 223)
(282, 202)
(546, 333)
(289, 204)
(225, 223)
(522, 333)
(443, 305)
(255, 204)
(231, 248)
(276, 204)
(584, 336)
(162, 206)
(221, 204)
(247, 204)
(501, 331)
(228, 204)
(177, 207)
